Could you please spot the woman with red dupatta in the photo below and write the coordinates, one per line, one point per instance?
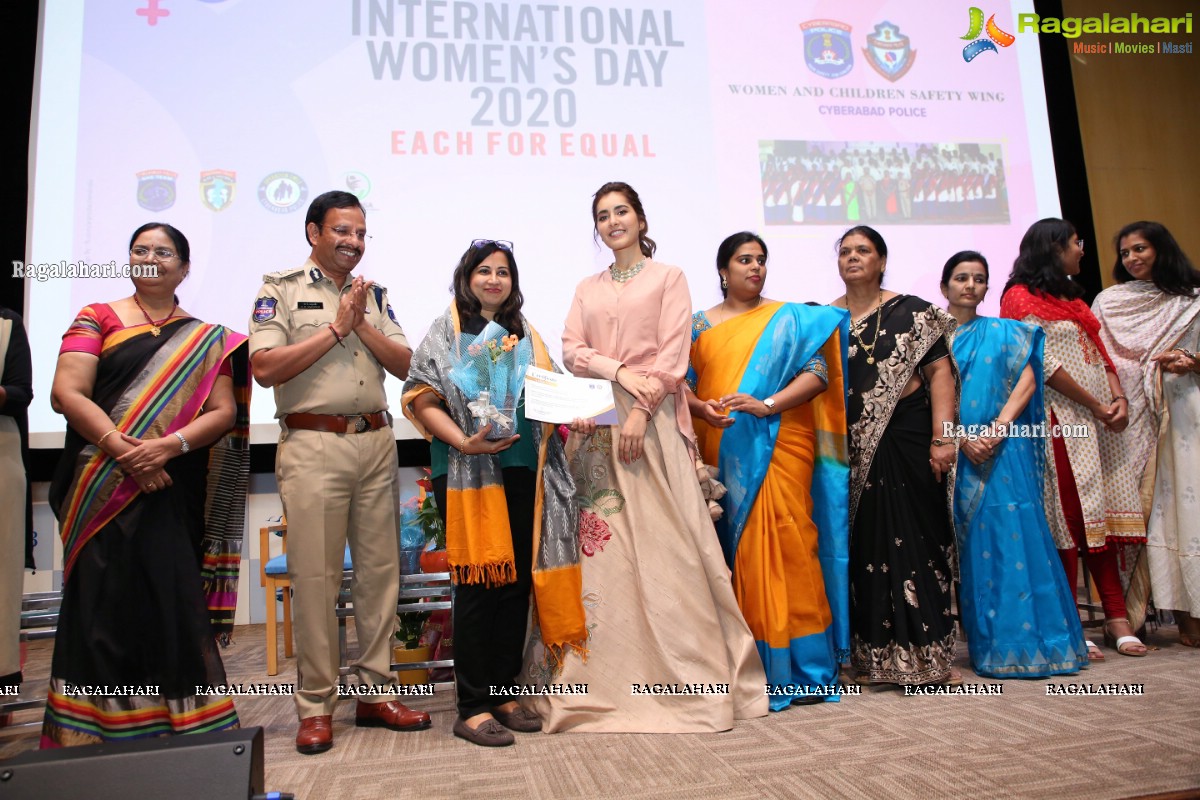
(1085, 507)
(149, 496)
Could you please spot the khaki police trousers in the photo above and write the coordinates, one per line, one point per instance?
(337, 488)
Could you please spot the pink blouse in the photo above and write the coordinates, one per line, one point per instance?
(646, 327)
(93, 327)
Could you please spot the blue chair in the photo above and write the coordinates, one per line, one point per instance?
(273, 577)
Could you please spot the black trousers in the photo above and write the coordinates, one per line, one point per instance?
(490, 623)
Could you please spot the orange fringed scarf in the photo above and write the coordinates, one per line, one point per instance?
(478, 538)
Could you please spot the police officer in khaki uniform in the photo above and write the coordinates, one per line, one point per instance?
(322, 340)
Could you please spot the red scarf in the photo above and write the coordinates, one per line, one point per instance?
(1019, 302)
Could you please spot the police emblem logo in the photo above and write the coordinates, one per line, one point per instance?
(889, 51)
(827, 48)
(156, 189)
(217, 188)
(391, 314)
(282, 192)
(264, 309)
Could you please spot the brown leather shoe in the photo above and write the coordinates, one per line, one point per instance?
(393, 715)
(490, 733)
(519, 719)
(315, 736)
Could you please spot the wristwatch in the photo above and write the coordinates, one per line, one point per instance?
(770, 404)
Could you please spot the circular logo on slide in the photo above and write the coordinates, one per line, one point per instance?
(357, 184)
(156, 189)
(282, 192)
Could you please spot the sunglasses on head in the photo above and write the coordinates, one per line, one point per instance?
(500, 243)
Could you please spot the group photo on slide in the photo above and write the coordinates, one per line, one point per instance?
(660, 389)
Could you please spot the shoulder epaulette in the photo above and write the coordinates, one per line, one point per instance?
(282, 275)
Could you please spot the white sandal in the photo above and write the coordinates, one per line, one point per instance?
(1125, 645)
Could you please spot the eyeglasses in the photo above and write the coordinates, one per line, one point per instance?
(163, 253)
(500, 243)
(342, 230)
(1080, 243)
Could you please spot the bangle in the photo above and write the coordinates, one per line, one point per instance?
(183, 443)
(100, 441)
(333, 330)
(462, 446)
(942, 443)
(1117, 397)
(649, 414)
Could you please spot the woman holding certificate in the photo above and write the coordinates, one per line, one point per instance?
(508, 502)
(668, 650)
(772, 374)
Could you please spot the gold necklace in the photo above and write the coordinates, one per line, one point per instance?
(869, 349)
(622, 275)
(725, 311)
(155, 327)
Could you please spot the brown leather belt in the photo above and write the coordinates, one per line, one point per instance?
(337, 423)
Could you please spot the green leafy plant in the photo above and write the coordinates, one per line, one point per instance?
(431, 522)
(429, 518)
(410, 627)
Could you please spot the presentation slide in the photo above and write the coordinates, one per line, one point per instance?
(453, 121)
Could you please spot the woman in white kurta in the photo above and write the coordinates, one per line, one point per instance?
(1150, 323)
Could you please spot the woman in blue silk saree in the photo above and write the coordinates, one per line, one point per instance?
(1017, 610)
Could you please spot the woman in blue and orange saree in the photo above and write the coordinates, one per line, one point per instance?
(768, 404)
(150, 498)
(1016, 607)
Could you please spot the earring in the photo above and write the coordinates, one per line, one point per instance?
(724, 283)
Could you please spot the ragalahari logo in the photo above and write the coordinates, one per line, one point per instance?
(995, 36)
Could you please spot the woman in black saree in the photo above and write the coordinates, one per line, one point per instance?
(903, 388)
(149, 496)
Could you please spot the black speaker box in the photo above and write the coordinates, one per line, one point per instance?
(225, 765)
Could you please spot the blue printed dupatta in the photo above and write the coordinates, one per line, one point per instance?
(1017, 609)
(771, 346)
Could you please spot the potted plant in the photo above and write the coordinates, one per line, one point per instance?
(409, 649)
(434, 558)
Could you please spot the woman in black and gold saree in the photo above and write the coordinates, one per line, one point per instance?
(903, 388)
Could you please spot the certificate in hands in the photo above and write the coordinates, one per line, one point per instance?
(558, 398)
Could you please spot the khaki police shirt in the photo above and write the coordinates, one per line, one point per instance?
(295, 304)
